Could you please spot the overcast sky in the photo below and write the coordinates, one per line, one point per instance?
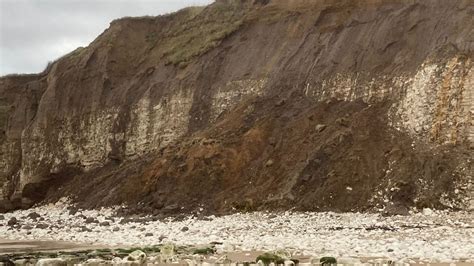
(33, 32)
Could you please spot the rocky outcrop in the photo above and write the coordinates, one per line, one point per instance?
(209, 94)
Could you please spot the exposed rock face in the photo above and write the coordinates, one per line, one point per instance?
(198, 101)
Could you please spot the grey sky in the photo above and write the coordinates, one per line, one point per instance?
(33, 32)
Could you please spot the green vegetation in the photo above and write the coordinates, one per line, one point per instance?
(104, 250)
(202, 30)
(41, 255)
(152, 249)
(127, 250)
(77, 51)
(274, 15)
(328, 261)
(268, 258)
(148, 249)
(204, 251)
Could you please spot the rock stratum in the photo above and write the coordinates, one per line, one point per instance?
(252, 105)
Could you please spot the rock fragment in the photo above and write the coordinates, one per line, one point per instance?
(27, 227)
(104, 223)
(320, 128)
(13, 221)
(73, 210)
(269, 163)
(85, 229)
(91, 220)
(427, 211)
(42, 226)
(33, 215)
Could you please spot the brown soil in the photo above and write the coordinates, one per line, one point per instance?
(268, 155)
(282, 150)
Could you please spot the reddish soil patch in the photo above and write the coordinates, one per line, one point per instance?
(332, 155)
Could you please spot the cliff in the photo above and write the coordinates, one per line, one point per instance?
(316, 105)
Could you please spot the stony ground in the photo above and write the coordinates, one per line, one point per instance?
(428, 235)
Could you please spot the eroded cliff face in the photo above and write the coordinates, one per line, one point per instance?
(253, 104)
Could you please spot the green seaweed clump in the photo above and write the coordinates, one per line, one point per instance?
(268, 258)
(328, 261)
(204, 251)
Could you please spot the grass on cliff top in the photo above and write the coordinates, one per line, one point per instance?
(202, 30)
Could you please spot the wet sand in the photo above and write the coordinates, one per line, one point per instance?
(21, 246)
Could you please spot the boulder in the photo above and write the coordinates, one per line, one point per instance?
(35, 191)
(104, 223)
(33, 215)
(91, 220)
(13, 221)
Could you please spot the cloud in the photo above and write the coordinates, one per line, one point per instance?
(33, 32)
